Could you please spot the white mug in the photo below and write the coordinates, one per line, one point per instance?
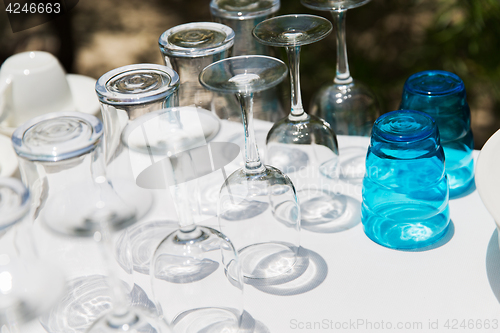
(32, 84)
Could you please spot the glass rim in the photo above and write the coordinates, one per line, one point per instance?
(115, 98)
(410, 87)
(405, 138)
(13, 216)
(54, 153)
(300, 43)
(243, 15)
(172, 50)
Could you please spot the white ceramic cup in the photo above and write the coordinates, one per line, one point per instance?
(32, 84)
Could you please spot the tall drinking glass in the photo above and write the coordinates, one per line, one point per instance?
(405, 189)
(442, 95)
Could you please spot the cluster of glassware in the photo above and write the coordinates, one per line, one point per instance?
(90, 181)
(407, 183)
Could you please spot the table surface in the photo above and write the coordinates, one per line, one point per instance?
(355, 285)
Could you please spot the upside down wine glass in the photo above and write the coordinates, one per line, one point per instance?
(257, 206)
(194, 259)
(347, 105)
(303, 146)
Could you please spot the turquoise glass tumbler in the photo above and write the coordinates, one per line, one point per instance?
(442, 95)
(405, 188)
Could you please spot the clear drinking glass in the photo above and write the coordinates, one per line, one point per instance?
(127, 92)
(347, 105)
(29, 287)
(442, 95)
(188, 48)
(302, 145)
(242, 16)
(258, 207)
(61, 159)
(193, 260)
(405, 189)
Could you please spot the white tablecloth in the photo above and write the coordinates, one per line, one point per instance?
(354, 285)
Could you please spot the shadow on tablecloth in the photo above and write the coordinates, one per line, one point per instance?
(350, 218)
(314, 274)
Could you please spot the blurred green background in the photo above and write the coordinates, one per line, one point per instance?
(387, 40)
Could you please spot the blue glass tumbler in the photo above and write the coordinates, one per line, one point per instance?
(442, 95)
(405, 188)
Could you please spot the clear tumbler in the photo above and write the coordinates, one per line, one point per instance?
(128, 92)
(188, 48)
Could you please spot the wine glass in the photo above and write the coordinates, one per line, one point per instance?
(257, 206)
(193, 259)
(29, 287)
(302, 145)
(348, 106)
(61, 158)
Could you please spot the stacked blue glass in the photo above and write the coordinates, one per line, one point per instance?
(442, 95)
(405, 188)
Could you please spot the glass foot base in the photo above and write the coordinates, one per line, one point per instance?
(88, 298)
(140, 242)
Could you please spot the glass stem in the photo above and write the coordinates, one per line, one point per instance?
(293, 53)
(252, 159)
(184, 210)
(343, 76)
(182, 195)
(179, 191)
